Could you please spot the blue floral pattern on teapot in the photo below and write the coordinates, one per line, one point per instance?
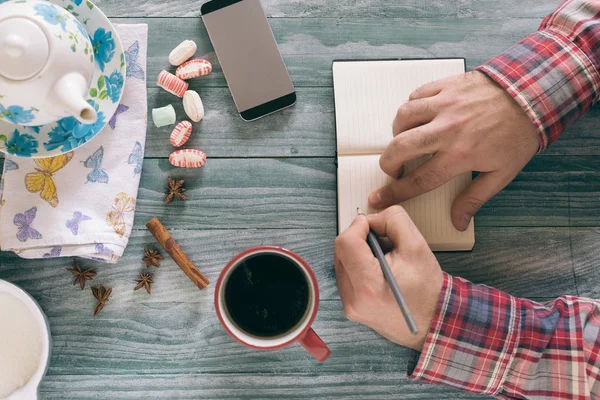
(87, 34)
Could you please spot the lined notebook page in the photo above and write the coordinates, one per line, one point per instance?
(367, 95)
(360, 175)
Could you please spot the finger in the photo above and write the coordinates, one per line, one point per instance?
(430, 89)
(412, 114)
(411, 144)
(433, 173)
(352, 249)
(399, 174)
(344, 284)
(483, 188)
(395, 224)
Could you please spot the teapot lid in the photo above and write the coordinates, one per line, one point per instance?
(24, 49)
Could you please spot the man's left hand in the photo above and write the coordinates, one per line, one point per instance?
(469, 123)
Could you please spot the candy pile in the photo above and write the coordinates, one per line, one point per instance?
(192, 103)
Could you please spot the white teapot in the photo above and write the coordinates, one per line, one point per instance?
(46, 64)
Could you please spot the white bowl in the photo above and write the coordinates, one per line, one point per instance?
(30, 390)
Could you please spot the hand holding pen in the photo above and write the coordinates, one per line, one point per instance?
(389, 277)
(366, 294)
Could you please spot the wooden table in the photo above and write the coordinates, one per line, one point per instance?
(273, 181)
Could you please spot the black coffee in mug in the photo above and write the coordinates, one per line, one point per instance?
(267, 295)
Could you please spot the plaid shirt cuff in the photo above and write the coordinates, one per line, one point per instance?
(472, 339)
(551, 78)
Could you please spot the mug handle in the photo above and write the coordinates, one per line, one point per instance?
(315, 345)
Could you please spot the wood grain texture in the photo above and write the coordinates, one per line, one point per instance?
(352, 386)
(580, 138)
(517, 260)
(305, 130)
(537, 239)
(301, 193)
(586, 261)
(308, 46)
(175, 329)
(242, 193)
(460, 9)
(236, 193)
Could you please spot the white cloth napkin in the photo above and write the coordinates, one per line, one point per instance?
(96, 189)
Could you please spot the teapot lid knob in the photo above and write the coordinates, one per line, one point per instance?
(24, 49)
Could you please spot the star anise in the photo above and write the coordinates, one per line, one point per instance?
(144, 281)
(152, 258)
(81, 275)
(175, 189)
(101, 296)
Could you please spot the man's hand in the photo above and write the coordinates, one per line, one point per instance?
(367, 297)
(468, 123)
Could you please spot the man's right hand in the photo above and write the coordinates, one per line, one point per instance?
(469, 123)
(366, 295)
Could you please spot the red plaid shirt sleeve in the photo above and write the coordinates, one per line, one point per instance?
(485, 341)
(554, 73)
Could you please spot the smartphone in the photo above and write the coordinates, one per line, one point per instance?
(249, 57)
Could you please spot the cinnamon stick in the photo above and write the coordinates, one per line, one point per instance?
(168, 243)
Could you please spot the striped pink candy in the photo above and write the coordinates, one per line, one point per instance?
(171, 83)
(193, 69)
(181, 133)
(187, 158)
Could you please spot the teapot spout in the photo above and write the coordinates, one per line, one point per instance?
(69, 91)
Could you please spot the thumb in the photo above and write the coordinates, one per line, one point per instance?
(483, 188)
(395, 224)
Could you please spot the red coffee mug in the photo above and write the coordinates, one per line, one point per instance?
(302, 333)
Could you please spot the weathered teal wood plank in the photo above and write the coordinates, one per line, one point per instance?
(346, 8)
(586, 261)
(351, 386)
(138, 337)
(175, 330)
(309, 46)
(518, 260)
(580, 138)
(135, 336)
(551, 191)
(307, 129)
(242, 193)
(301, 193)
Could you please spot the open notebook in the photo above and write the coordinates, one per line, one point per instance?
(367, 96)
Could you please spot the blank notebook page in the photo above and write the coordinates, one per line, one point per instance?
(367, 96)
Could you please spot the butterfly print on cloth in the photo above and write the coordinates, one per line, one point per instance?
(55, 252)
(73, 224)
(41, 180)
(10, 165)
(23, 223)
(134, 70)
(98, 174)
(136, 157)
(101, 249)
(116, 218)
(120, 110)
